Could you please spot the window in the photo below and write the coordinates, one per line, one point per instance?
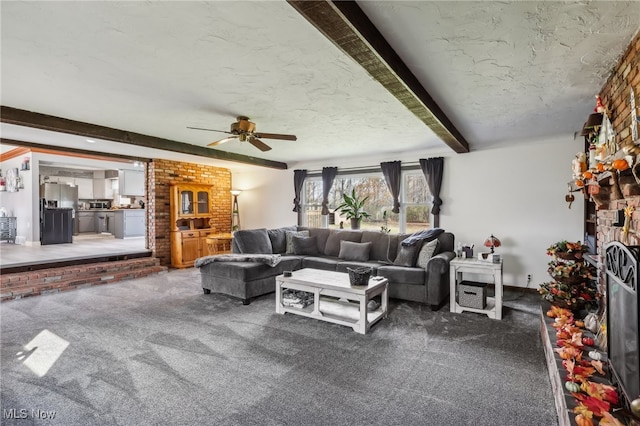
(414, 201)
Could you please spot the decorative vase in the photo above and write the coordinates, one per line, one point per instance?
(355, 223)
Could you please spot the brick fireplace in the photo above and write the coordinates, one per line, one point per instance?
(615, 97)
(618, 190)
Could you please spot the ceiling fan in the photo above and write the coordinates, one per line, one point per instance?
(245, 131)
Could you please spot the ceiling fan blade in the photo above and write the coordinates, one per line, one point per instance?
(210, 130)
(259, 144)
(275, 136)
(221, 141)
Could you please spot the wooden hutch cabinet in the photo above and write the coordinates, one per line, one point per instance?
(192, 219)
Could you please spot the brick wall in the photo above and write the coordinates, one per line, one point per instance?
(163, 173)
(615, 92)
(615, 97)
(60, 279)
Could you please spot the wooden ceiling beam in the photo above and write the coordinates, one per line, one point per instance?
(349, 28)
(37, 120)
(27, 146)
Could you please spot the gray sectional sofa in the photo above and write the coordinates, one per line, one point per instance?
(419, 272)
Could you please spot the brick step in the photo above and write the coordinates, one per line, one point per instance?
(54, 280)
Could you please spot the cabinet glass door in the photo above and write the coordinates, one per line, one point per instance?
(203, 202)
(186, 202)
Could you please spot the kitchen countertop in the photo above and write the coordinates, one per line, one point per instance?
(108, 210)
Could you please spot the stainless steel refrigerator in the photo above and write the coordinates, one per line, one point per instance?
(58, 195)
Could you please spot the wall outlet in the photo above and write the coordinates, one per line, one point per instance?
(528, 277)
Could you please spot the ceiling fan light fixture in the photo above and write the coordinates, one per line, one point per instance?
(245, 131)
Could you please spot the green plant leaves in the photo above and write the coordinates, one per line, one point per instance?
(352, 207)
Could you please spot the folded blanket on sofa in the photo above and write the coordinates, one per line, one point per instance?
(425, 235)
(269, 259)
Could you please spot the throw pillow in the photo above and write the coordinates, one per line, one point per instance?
(407, 255)
(290, 235)
(354, 251)
(426, 253)
(305, 245)
(332, 247)
(278, 238)
(253, 241)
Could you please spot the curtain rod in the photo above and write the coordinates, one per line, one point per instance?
(363, 169)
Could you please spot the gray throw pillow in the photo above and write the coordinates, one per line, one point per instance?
(278, 238)
(290, 235)
(426, 252)
(354, 251)
(253, 241)
(305, 245)
(407, 255)
(332, 248)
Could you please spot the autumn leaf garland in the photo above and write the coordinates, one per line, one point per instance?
(593, 399)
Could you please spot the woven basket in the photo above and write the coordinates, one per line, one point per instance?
(359, 276)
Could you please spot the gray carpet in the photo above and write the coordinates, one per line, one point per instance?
(157, 351)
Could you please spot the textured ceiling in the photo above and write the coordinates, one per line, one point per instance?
(503, 72)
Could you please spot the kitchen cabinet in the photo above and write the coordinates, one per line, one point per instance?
(102, 189)
(129, 223)
(134, 223)
(85, 188)
(87, 222)
(110, 188)
(132, 183)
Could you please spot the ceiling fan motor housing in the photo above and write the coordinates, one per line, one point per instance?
(243, 125)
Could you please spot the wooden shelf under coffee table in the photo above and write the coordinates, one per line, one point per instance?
(334, 285)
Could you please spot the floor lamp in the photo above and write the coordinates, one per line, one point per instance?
(235, 213)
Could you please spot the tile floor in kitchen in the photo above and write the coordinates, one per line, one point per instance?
(87, 245)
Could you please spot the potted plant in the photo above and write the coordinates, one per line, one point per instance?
(353, 208)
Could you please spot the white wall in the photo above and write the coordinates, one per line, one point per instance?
(517, 193)
(20, 203)
(266, 200)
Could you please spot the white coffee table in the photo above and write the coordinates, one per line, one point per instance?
(334, 285)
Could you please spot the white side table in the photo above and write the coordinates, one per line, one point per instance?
(474, 266)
